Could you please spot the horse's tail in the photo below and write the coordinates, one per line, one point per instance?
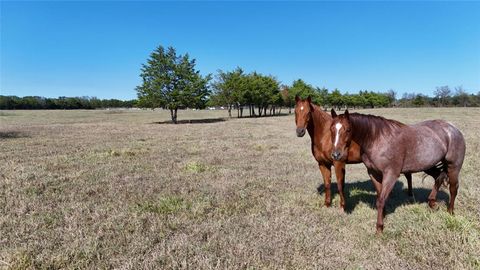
(442, 178)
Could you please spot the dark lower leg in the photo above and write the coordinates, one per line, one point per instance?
(409, 182)
(340, 174)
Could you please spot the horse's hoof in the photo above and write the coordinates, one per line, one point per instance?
(328, 204)
(379, 230)
(433, 205)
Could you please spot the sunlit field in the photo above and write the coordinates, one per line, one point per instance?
(116, 189)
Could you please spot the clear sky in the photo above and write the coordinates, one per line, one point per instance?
(96, 48)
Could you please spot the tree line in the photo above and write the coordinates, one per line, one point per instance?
(171, 81)
(443, 96)
(63, 103)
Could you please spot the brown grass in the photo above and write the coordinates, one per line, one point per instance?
(96, 189)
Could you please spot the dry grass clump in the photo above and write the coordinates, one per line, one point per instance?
(98, 189)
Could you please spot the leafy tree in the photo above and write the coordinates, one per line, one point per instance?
(461, 97)
(171, 81)
(321, 96)
(442, 94)
(288, 100)
(301, 89)
(227, 87)
(336, 99)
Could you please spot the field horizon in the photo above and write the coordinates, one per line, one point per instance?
(116, 189)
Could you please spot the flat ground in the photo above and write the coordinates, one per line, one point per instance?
(114, 189)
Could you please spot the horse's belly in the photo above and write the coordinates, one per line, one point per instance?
(426, 151)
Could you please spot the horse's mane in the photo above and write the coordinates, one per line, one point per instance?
(370, 127)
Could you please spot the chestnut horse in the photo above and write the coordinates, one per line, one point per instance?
(390, 148)
(309, 117)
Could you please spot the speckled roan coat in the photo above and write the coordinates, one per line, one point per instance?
(390, 148)
(309, 117)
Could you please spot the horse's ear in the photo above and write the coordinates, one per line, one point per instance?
(347, 114)
(297, 98)
(309, 99)
(334, 114)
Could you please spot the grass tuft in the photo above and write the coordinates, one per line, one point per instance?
(164, 206)
(195, 167)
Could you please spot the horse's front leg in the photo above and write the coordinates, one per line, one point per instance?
(388, 182)
(340, 174)
(326, 172)
(376, 178)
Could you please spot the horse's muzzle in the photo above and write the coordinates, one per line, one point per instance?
(336, 155)
(300, 132)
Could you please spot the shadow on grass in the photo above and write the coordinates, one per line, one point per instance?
(12, 135)
(194, 121)
(364, 191)
(215, 120)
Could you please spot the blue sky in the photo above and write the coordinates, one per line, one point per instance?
(96, 48)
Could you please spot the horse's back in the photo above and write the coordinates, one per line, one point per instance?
(441, 137)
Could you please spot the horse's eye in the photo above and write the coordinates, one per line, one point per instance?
(348, 130)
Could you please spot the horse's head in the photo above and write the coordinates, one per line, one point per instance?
(303, 109)
(341, 135)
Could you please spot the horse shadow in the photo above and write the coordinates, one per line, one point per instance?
(364, 191)
(193, 121)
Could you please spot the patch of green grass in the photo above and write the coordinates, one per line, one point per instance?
(165, 206)
(456, 223)
(195, 167)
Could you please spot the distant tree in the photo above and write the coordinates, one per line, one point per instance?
(171, 81)
(336, 99)
(419, 100)
(287, 99)
(442, 94)
(461, 98)
(302, 89)
(321, 96)
(227, 85)
(392, 97)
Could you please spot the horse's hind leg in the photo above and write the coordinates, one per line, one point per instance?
(438, 175)
(409, 182)
(453, 182)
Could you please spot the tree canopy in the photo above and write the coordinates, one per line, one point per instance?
(171, 81)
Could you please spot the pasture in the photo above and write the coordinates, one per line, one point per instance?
(115, 189)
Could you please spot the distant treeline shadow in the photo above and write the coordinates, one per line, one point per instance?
(364, 191)
(194, 121)
(12, 135)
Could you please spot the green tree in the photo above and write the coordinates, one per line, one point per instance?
(301, 89)
(287, 99)
(171, 81)
(227, 86)
(336, 99)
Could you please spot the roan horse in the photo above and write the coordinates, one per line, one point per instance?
(390, 148)
(309, 117)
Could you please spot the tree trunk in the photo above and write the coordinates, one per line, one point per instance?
(289, 109)
(259, 111)
(230, 110)
(173, 113)
(241, 112)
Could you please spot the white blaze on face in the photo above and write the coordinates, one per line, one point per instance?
(301, 108)
(338, 126)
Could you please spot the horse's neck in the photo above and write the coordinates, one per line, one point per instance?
(319, 124)
(365, 134)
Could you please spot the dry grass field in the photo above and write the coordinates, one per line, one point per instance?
(114, 189)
